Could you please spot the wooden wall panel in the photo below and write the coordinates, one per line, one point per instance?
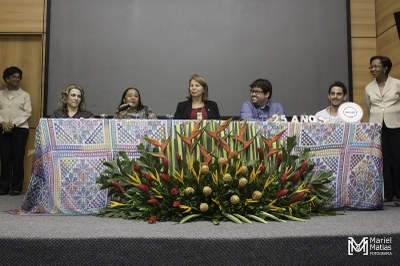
(384, 14)
(25, 52)
(22, 16)
(362, 18)
(363, 49)
(389, 45)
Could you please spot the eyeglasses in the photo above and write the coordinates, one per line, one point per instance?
(256, 92)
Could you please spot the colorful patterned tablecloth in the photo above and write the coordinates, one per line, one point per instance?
(69, 156)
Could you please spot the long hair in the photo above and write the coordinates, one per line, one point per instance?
(64, 97)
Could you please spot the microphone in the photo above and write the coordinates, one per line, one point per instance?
(124, 107)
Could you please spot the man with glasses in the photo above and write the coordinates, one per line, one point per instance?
(260, 107)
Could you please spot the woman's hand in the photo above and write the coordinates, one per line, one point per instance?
(7, 127)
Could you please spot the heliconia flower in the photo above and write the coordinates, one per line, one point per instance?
(269, 142)
(187, 140)
(144, 188)
(273, 151)
(232, 153)
(154, 201)
(118, 186)
(296, 177)
(178, 159)
(196, 130)
(136, 168)
(235, 199)
(280, 160)
(206, 155)
(260, 154)
(224, 144)
(281, 193)
(304, 166)
(165, 164)
(297, 197)
(174, 191)
(241, 133)
(283, 177)
(162, 145)
(223, 125)
(203, 207)
(152, 220)
(176, 204)
(166, 178)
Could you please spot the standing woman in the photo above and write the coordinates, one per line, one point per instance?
(131, 106)
(72, 103)
(197, 106)
(383, 103)
(15, 110)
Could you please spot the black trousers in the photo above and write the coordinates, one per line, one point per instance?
(391, 161)
(12, 152)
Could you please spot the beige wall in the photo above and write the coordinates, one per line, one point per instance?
(23, 34)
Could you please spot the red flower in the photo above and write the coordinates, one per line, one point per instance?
(280, 160)
(297, 197)
(166, 178)
(152, 220)
(310, 186)
(118, 186)
(261, 168)
(281, 193)
(165, 163)
(174, 191)
(283, 177)
(136, 168)
(179, 159)
(148, 178)
(176, 204)
(304, 166)
(154, 201)
(296, 177)
(260, 154)
(144, 188)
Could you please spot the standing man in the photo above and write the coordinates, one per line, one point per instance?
(260, 107)
(337, 94)
(15, 109)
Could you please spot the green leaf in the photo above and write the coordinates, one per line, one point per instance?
(232, 218)
(189, 217)
(256, 218)
(244, 219)
(293, 218)
(266, 214)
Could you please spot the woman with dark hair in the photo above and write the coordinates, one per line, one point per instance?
(131, 106)
(197, 106)
(15, 110)
(383, 103)
(72, 103)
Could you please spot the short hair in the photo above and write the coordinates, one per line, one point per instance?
(11, 71)
(64, 96)
(202, 81)
(385, 61)
(338, 84)
(140, 105)
(263, 84)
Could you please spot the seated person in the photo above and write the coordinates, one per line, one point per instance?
(197, 106)
(260, 106)
(72, 103)
(337, 94)
(131, 106)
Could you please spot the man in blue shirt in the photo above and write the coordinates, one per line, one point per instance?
(260, 107)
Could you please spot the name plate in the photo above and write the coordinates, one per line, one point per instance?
(350, 112)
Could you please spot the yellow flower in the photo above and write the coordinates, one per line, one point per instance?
(116, 204)
(186, 208)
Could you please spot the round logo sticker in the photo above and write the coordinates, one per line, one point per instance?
(350, 112)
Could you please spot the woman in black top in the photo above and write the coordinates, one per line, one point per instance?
(197, 106)
(72, 103)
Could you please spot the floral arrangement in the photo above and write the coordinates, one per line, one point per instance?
(213, 179)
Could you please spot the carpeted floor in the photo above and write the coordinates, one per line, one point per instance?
(90, 240)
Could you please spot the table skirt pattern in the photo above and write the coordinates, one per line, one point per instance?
(69, 156)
